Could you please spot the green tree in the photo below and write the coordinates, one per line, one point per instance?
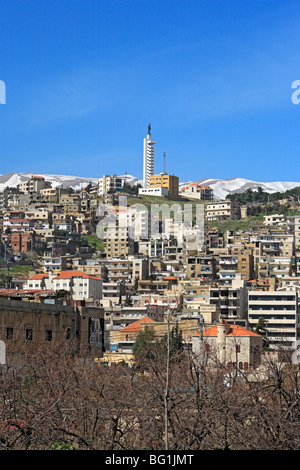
(176, 347)
(145, 348)
(261, 329)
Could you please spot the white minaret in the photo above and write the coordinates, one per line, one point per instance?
(148, 169)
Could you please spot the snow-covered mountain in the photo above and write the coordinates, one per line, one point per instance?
(63, 181)
(132, 180)
(239, 185)
(221, 187)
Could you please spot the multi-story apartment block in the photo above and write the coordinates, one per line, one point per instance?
(13, 198)
(297, 244)
(274, 266)
(16, 222)
(201, 267)
(280, 244)
(241, 264)
(34, 184)
(223, 210)
(163, 180)
(231, 297)
(275, 219)
(127, 269)
(118, 242)
(197, 191)
(109, 183)
(92, 267)
(22, 242)
(280, 309)
(112, 293)
(80, 285)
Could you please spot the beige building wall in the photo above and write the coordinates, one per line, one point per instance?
(163, 180)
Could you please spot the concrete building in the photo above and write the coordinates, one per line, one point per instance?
(22, 242)
(275, 219)
(201, 267)
(109, 183)
(34, 184)
(163, 180)
(280, 310)
(112, 293)
(197, 191)
(158, 192)
(274, 266)
(80, 285)
(231, 296)
(148, 158)
(223, 210)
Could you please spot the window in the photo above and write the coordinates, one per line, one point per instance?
(9, 333)
(48, 335)
(238, 348)
(68, 333)
(28, 334)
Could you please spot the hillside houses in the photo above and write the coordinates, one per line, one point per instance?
(131, 271)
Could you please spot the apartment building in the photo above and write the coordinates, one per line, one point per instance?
(118, 242)
(22, 242)
(197, 191)
(280, 309)
(275, 219)
(80, 285)
(112, 293)
(223, 210)
(109, 183)
(11, 198)
(92, 267)
(297, 243)
(201, 267)
(274, 266)
(127, 269)
(276, 244)
(241, 264)
(16, 222)
(163, 180)
(52, 263)
(231, 296)
(38, 217)
(34, 185)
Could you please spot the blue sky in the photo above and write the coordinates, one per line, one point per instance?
(213, 77)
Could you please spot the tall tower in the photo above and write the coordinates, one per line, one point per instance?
(148, 169)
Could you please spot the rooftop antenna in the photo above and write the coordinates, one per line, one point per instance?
(164, 162)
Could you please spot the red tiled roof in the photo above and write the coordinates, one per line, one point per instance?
(69, 274)
(38, 276)
(136, 326)
(233, 330)
(22, 291)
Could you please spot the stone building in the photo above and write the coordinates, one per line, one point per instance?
(28, 325)
(231, 345)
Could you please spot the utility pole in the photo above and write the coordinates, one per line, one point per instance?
(166, 397)
(201, 353)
